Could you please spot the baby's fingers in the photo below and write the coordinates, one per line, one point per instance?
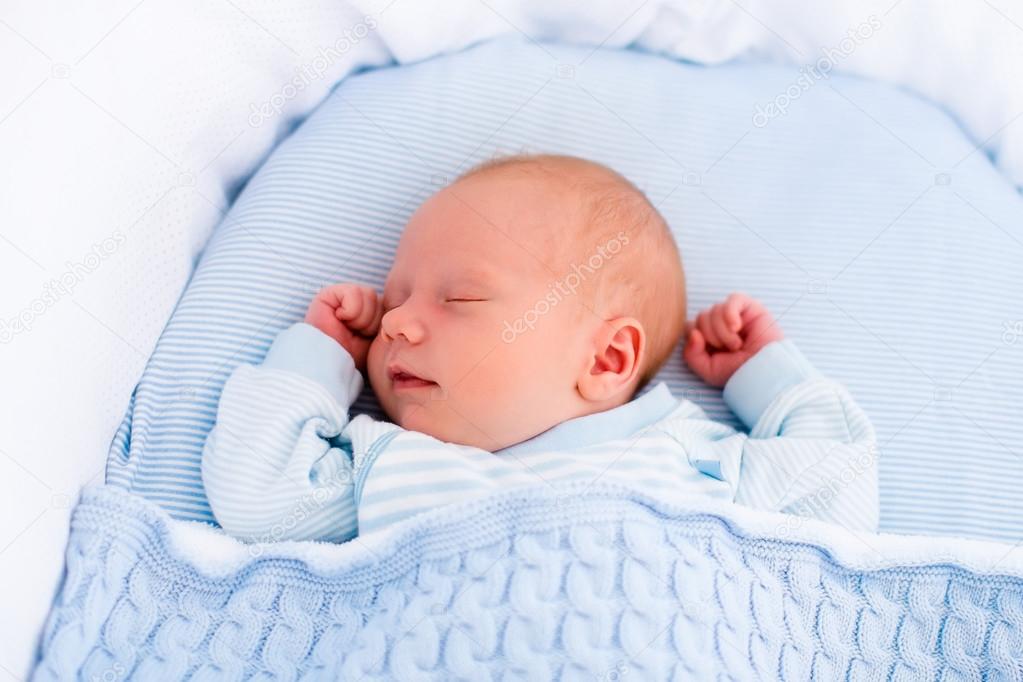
(734, 307)
(706, 329)
(377, 306)
(349, 305)
(694, 352)
(726, 332)
(368, 319)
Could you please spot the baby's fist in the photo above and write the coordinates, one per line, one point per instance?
(726, 335)
(350, 314)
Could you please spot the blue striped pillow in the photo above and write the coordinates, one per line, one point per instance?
(886, 245)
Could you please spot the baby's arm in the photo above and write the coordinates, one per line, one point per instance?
(271, 466)
(811, 450)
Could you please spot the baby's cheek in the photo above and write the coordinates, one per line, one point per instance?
(501, 397)
(496, 374)
(375, 364)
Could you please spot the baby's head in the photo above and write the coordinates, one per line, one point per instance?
(532, 290)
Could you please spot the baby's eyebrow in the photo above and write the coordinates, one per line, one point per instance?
(390, 291)
(472, 276)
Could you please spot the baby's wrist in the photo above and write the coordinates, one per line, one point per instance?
(304, 349)
(762, 341)
(777, 366)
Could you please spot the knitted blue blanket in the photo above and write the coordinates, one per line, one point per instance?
(573, 582)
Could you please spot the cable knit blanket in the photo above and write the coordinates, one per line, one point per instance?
(573, 582)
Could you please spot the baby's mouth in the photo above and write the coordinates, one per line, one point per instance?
(402, 378)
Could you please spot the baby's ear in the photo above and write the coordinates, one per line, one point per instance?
(619, 348)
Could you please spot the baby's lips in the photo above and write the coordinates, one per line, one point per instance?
(396, 369)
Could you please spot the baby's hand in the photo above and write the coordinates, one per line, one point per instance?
(726, 336)
(350, 314)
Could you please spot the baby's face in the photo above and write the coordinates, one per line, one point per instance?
(470, 348)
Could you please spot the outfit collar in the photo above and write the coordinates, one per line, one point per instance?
(616, 423)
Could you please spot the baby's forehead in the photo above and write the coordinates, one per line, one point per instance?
(491, 209)
(534, 216)
(442, 254)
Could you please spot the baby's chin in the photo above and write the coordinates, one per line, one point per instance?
(415, 416)
(438, 421)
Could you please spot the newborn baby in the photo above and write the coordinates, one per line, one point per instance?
(527, 306)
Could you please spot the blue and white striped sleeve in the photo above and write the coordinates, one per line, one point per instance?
(272, 466)
(811, 449)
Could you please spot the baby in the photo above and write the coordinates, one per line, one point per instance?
(528, 304)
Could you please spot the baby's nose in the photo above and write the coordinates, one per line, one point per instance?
(402, 322)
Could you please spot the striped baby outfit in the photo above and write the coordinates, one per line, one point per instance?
(285, 462)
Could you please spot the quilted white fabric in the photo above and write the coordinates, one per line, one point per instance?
(125, 130)
(964, 56)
